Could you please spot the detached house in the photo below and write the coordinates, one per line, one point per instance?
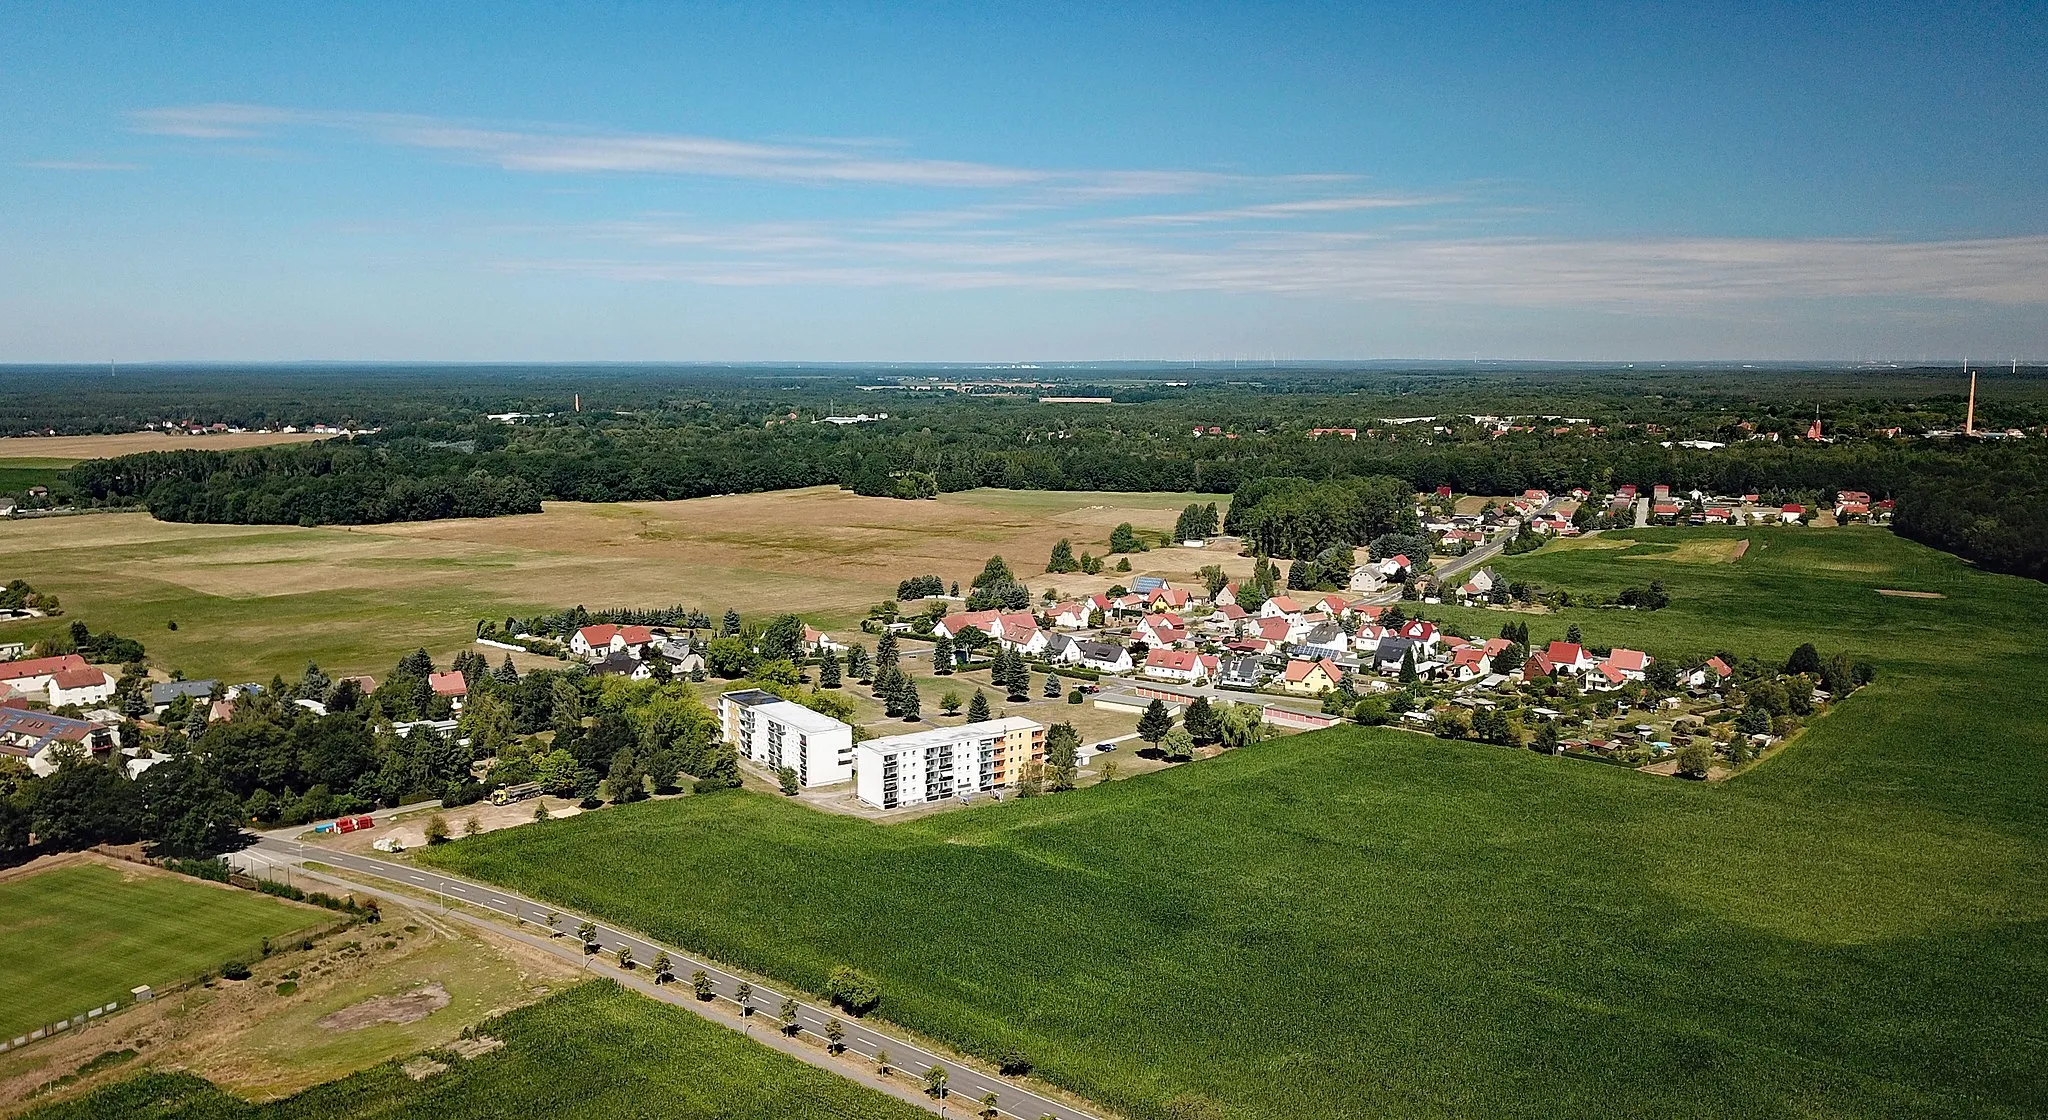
(595, 643)
(1069, 616)
(1566, 657)
(39, 738)
(1280, 606)
(1311, 678)
(985, 621)
(1180, 665)
(1713, 674)
(1324, 640)
(455, 686)
(1160, 629)
(1470, 662)
(34, 675)
(1103, 657)
(80, 686)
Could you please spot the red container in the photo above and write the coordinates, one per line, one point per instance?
(365, 821)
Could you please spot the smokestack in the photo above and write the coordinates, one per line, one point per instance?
(578, 399)
(1970, 416)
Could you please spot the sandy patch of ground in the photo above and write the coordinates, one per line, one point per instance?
(410, 830)
(1910, 594)
(130, 443)
(408, 1008)
(422, 1067)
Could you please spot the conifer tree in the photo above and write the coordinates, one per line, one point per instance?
(977, 708)
(828, 670)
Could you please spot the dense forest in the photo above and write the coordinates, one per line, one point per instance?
(718, 432)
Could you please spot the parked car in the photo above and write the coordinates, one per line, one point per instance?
(1105, 746)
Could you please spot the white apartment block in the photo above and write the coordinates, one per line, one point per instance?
(944, 762)
(772, 732)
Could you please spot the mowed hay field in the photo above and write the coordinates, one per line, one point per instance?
(594, 1052)
(81, 935)
(250, 601)
(1363, 922)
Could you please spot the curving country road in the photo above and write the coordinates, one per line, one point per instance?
(965, 1084)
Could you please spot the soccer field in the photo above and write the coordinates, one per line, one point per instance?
(81, 935)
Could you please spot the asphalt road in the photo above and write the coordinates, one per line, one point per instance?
(965, 1085)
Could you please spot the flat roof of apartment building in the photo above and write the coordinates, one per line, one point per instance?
(918, 740)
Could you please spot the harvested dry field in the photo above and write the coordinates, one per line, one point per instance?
(250, 601)
(75, 448)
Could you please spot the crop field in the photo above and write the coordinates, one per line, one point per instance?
(250, 601)
(1366, 922)
(594, 1051)
(66, 450)
(80, 935)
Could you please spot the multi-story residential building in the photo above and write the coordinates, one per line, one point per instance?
(772, 732)
(943, 762)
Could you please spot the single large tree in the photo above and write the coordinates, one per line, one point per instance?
(1062, 559)
(907, 701)
(828, 670)
(1123, 538)
(885, 651)
(942, 655)
(1062, 748)
(1154, 724)
(993, 572)
(977, 707)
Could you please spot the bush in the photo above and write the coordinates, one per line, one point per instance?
(437, 829)
(852, 990)
(234, 970)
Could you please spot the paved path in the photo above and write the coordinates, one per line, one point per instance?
(966, 1085)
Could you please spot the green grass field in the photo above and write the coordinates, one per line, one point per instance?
(1363, 922)
(81, 935)
(595, 1051)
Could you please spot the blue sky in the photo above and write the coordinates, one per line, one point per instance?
(982, 182)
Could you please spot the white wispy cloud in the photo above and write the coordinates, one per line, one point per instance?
(559, 149)
(1298, 208)
(1093, 230)
(1529, 272)
(80, 165)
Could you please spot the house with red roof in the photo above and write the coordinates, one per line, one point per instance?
(1713, 674)
(1791, 513)
(1278, 606)
(1180, 665)
(1470, 662)
(1171, 598)
(952, 625)
(1604, 677)
(1566, 657)
(80, 686)
(1228, 596)
(1068, 616)
(1023, 639)
(604, 639)
(1423, 633)
(33, 675)
(1311, 678)
(451, 684)
(1631, 663)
